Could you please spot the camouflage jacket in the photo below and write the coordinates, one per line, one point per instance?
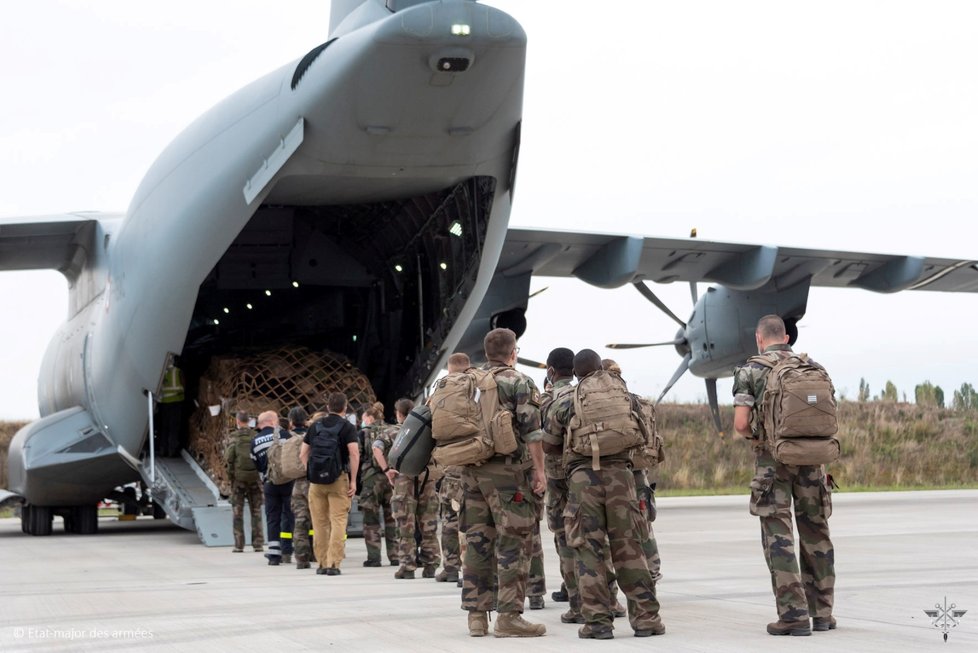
(518, 393)
(554, 461)
(384, 438)
(559, 415)
(749, 381)
(367, 436)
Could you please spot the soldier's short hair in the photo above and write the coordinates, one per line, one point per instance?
(242, 416)
(336, 403)
(585, 362)
(298, 416)
(610, 365)
(771, 327)
(459, 362)
(499, 344)
(562, 360)
(403, 406)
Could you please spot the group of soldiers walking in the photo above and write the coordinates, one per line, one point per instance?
(577, 466)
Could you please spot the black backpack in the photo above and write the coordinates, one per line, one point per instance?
(326, 456)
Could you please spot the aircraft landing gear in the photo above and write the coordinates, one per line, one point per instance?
(81, 520)
(36, 520)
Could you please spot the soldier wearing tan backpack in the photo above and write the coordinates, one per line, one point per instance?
(784, 403)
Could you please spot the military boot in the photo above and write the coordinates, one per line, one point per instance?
(446, 576)
(656, 628)
(795, 628)
(536, 602)
(823, 623)
(592, 632)
(571, 617)
(478, 624)
(404, 573)
(287, 558)
(301, 562)
(560, 596)
(512, 624)
(429, 571)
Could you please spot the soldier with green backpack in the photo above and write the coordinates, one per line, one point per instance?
(245, 484)
(784, 403)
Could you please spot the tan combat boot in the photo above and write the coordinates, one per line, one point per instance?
(795, 628)
(478, 624)
(512, 624)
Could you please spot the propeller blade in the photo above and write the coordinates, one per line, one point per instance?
(683, 366)
(711, 393)
(649, 295)
(531, 363)
(694, 292)
(537, 292)
(618, 345)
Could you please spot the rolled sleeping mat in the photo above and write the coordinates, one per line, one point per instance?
(411, 451)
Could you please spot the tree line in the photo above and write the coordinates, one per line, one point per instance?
(925, 394)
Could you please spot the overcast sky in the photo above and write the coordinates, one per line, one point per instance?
(842, 125)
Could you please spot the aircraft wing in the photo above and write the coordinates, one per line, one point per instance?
(609, 261)
(58, 242)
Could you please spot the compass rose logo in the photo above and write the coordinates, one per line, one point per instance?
(944, 617)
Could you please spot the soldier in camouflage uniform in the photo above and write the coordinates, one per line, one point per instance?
(245, 484)
(450, 497)
(645, 490)
(602, 506)
(808, 591)
(415, 506)
(560, 371)
(500, 506)
(375, 495)
(302, 527)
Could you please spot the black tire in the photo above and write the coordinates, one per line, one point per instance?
(158, 512)
(85, 519)
(40, 520)
(25, 519)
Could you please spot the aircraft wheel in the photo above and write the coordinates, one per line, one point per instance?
(25, 519)
(158, 511)
(40, 520)
(85, 519)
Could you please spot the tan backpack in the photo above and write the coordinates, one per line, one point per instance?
(798, 410)
(284, 463)
(604, 422)
(650, 453)
(468, 423)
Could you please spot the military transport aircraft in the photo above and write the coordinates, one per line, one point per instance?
(366, 187)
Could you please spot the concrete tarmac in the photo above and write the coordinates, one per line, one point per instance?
(149, 585)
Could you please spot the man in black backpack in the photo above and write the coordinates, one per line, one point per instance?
(808, 591)
(330, 450)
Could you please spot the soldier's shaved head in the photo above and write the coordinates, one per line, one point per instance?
(562, 360)
(585, 362)
(771, 327)
(458, 362)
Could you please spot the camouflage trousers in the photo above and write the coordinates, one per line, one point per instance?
(497, 518)
(602, 511)
(375, 504)
(536, 584)
(807, 590)
(255, 496)
(556, 504)
(302, 531)
(646, 504)
(415, 504)
(450, 496)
